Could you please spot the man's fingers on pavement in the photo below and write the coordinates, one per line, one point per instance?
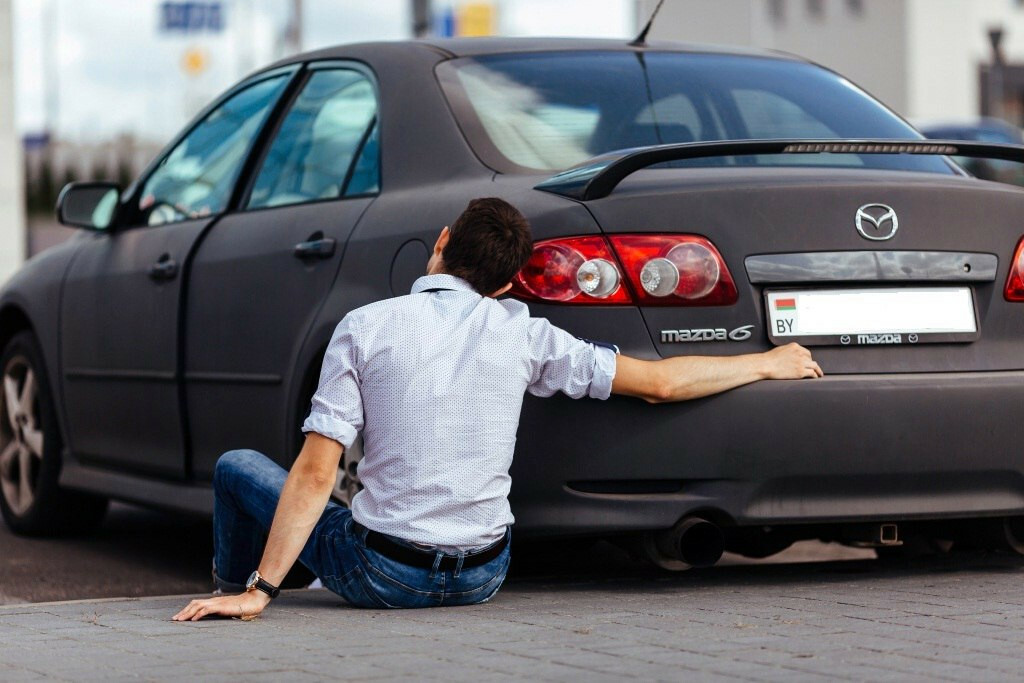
(189, 611)
(203, 610)
(181, 614)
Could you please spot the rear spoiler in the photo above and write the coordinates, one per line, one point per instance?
(597, 177)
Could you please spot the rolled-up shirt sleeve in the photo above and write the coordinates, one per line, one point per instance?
(561, 362)
(337, 409)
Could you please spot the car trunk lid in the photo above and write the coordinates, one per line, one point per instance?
(795, 230)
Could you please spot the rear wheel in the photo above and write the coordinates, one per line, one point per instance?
(30, 450)
(347, 484)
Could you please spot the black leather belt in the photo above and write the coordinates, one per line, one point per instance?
(426, 558)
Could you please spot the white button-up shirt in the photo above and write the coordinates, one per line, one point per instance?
(435, 382)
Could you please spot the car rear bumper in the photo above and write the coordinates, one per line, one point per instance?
(842, 448)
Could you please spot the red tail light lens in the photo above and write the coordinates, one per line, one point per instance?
(658, 270)
(577, 270)
(1015, 282)
(675, 270)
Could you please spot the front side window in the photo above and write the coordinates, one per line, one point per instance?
(549, 111)
(326, 146)
(197, 177)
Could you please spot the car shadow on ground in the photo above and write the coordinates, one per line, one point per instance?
(138, 552)
(135, 552)
(582, 565)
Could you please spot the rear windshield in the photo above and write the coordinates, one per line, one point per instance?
(550, 111)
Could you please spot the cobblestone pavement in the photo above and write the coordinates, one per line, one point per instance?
(932, 619)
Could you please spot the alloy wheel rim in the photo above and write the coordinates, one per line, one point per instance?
(347, 484)
(21, 436)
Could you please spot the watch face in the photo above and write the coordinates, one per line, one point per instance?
(253, 578)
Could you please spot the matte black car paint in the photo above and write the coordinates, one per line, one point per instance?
(890, 433)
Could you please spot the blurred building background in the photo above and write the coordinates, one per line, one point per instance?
(927, 59)
(99, 86)
(12, 224)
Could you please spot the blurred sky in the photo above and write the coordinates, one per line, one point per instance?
(111, 70)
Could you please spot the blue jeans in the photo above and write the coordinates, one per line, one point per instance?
(247, 486)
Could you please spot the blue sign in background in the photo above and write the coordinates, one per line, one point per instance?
(191, 17)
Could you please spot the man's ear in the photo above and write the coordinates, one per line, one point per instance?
(496, 294)
(442, 241)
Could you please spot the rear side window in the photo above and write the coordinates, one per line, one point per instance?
(197, 177)
(326, 146)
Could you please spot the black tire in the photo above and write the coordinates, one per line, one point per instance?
(348, 483)
(49, 510)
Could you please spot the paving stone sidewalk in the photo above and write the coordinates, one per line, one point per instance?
(928, 622)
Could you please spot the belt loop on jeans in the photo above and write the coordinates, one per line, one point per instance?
(458, 565)
(437, 564)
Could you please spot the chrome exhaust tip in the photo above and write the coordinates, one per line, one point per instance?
(693, 540)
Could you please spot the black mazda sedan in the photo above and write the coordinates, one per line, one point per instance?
(684, 200)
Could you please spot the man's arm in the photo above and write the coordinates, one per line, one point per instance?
(303, 499)
(685, 377)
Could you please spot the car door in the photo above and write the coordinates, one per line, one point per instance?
(261, 274)
(121, 301)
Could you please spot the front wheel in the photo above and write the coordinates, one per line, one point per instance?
(31, 502)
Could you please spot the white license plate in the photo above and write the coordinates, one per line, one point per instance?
(872, 316)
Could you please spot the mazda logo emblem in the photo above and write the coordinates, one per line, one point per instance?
(882, 217)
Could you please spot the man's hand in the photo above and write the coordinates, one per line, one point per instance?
(244, 606)
(303, 499)
(791, 361)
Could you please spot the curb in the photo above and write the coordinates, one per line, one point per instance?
(137, 598)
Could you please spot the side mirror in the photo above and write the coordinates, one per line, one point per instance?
(88, 205)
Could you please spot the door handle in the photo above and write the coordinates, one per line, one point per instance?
(165, 268)
(319, 247)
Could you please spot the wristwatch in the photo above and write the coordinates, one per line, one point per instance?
(257, 583)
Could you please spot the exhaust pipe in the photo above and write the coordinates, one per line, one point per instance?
(693, 540)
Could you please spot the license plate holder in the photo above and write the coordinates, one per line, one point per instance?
(871, 316)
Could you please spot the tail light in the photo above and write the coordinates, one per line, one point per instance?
(578, 270)
(659, 270)
(1015, 282)
(675, 270)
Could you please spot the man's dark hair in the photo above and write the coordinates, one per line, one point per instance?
(488, 244)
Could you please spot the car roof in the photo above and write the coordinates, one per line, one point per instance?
(473, 47)
(451, 48)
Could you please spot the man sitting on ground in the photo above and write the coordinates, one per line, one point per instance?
(435, 382)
